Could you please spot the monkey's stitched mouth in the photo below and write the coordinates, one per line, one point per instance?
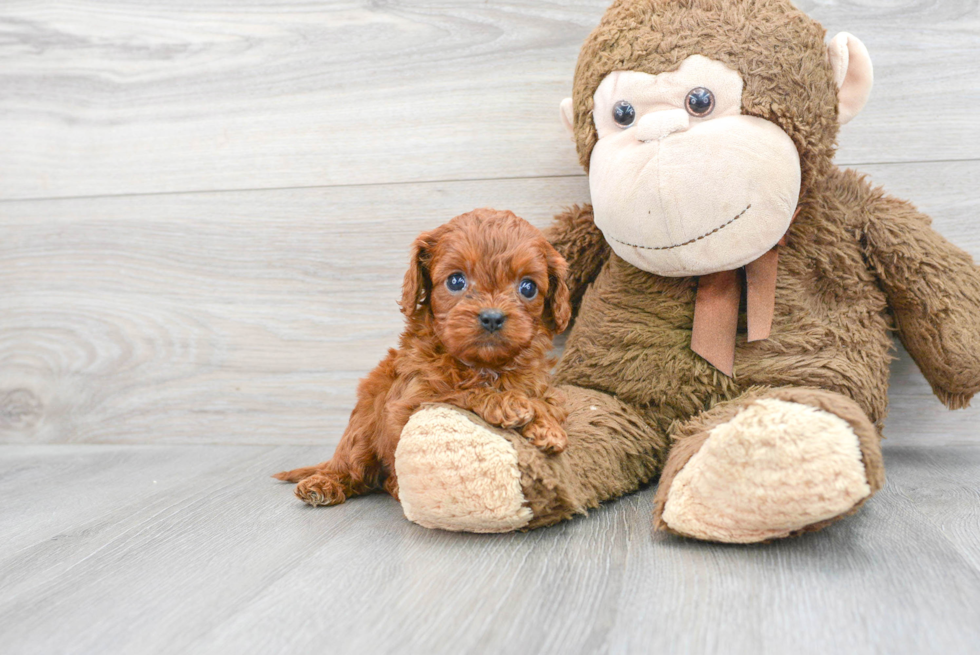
(690, 241)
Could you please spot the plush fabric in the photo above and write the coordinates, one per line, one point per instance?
(805, 465)
(456, 472)
(706, 200)
(645, 92)
(611, 452)
(768, 464)
(778, 50)
(852, 74)
(692, 216)
(810, 399)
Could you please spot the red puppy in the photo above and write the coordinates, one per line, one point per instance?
(483, 298)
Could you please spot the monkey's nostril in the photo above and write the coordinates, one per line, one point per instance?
(492, 320)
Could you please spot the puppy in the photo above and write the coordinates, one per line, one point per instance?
(483, 297)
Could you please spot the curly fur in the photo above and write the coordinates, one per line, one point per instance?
(445, 356)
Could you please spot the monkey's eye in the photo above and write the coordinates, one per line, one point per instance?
(456, 282)
(528, 288)
(699, 102)
(623, 113)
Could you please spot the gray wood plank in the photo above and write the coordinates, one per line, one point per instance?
(943, 485)
(886, 570)
(58, 502)
(247, 317)
(131, 96)
(212, 317)
(229, 561)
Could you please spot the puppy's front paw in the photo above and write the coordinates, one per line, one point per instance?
(549, 437)
(509, 411)
(320, 490)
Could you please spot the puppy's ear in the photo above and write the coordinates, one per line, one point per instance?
(417, 285)
(558, 303)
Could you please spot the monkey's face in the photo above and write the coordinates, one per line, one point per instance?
(682, 182)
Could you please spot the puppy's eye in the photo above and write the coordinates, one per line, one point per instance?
(456, 282)
(528, 288)
(699, 102)
(623, 113)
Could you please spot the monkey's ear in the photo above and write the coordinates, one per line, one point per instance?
(567, 113)
(852, 73)
(418, 284)
(558, 303)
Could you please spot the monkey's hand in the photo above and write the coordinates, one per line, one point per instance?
(576, 237)
(933, 289)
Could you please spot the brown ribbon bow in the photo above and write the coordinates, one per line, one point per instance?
(716, 308)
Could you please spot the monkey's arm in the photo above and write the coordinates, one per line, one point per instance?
(575, 236)
(933, 289)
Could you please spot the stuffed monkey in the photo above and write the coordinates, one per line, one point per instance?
(735, 292)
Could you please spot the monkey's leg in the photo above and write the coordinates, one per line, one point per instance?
(769, 464)
(456, 472)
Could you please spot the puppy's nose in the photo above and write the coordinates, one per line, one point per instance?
(492, 320)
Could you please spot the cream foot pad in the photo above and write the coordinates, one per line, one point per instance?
(776, 467)
(457, 473)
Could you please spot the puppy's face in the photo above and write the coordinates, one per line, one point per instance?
(492, 284)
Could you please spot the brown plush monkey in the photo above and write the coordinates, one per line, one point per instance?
(708, 129)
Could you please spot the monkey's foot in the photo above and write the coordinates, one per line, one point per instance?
(456, 472)
(769, 465)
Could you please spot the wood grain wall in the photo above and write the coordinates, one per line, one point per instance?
(205, 206)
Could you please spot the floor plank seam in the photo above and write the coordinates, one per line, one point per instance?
(467, 180)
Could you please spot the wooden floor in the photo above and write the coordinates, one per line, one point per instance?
(205, 211)
(129, 549)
